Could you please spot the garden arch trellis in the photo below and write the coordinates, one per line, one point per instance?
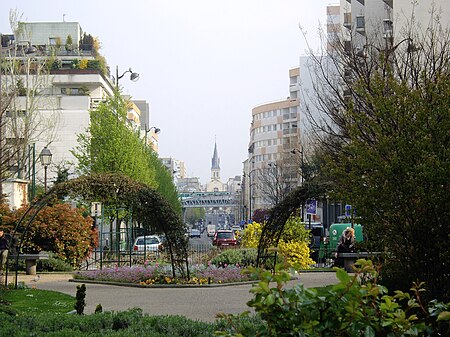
(147, 205)
(272, 230)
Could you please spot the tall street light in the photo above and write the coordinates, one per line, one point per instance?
(133, 76)
(302, 167)
(157, 130)
(46, 159)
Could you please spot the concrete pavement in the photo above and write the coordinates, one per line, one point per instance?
(199, 303)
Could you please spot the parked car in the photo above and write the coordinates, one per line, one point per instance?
(195, 233)
(224, 238)
(149, 243)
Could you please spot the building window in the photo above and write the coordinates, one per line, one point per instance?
(360, 24)
(74, 91)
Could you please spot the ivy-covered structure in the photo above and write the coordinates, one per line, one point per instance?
(148, 207)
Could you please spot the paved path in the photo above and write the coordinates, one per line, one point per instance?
(202, 303)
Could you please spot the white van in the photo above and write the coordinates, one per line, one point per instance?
(210, 230)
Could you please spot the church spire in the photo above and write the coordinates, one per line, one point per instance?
(215, 164)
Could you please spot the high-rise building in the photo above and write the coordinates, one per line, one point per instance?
(274, 136)
(378, 20)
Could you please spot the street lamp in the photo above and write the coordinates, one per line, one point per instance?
(295, 151)
(157, 130)
(46, 159)
(133, 76)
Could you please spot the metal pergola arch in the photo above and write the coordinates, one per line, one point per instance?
(118, 188)
(273, 228)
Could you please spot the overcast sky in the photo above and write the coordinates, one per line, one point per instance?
(203, 64)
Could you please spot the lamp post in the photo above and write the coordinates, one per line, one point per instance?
(133, 76)
(302, 167)
(250, 192)
(157, 130)
(46, 159)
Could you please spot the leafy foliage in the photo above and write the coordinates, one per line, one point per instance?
(386, 145)
(238, 257)
(109, 145)
(194, 214)
(128, 323)
(349, 308)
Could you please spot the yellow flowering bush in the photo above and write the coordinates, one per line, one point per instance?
(296, 254)
(293, 245)
(251, 235)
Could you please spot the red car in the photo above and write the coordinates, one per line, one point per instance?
(224, 238)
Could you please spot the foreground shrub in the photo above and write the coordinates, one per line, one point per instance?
(349, 308)
(128, 323)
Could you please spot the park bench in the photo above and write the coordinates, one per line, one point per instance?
(30, 261)
(350, 258)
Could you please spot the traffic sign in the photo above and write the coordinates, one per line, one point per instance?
(311, 207)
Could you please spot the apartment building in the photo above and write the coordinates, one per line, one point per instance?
(274, 137)
(175, 166)
(77, 82)
(378, 20)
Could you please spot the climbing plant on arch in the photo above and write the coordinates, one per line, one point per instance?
(273, 228)
(148, 207)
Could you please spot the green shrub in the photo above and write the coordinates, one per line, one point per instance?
(242, 257)
(80, 296)
(53, 264)
(128, 323)
(349, 308)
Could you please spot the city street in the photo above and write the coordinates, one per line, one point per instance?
(198, 303)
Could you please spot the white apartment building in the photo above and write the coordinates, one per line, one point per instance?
(376, 20)
(67, 93)
(274, 136)
(175, 166)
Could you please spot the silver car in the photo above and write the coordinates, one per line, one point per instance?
(149, 243)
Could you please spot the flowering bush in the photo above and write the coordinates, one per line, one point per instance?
(58, 228)
(293, 246)
(133, 274)
(162, 274)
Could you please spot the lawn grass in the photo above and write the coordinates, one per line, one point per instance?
(34, 301)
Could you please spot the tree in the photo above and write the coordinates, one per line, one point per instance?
(275, 181)
(24, 79)
(110, 145)
(381, 121)
(192, 215)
